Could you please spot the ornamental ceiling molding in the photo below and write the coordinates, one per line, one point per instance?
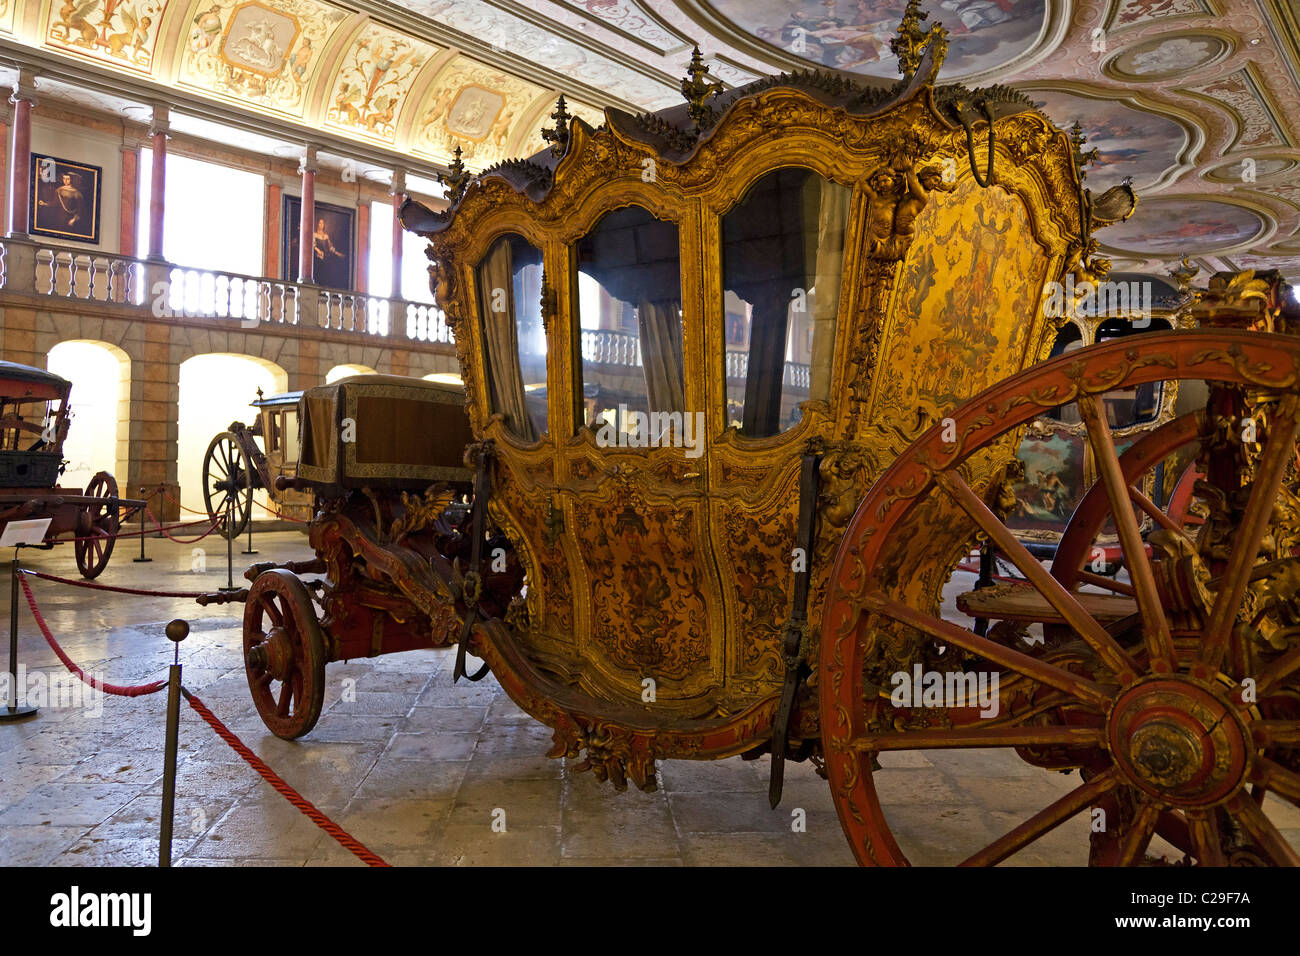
(1222, 44)
(1195, 133)
(1121, 14)
(621, 16)
(1267, 228)
(1241, 96)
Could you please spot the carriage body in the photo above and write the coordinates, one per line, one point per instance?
(812, 275)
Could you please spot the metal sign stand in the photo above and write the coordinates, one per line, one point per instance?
(13, 711)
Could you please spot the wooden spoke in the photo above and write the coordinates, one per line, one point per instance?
(1084, 624)
(1254, 821)
(1171, 826)
(1154, 513)
(1159, 640)
(1077, 687)
(1110, 584)
(1250, 534)
(1277, 733)
(983, 737)
(1278, 670)
(1203, 830)
(1133, 847)
(1045, 820)
(1271, 775)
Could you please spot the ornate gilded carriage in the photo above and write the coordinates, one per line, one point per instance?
(744, 381)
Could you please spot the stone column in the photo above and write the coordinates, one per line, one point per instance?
(20, 154)
(158, 129)
(307, 225)
(399, 197)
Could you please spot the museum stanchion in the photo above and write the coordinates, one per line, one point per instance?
(142, 559)
(177, 631)
(230, 543)
(250, 549)
(13, 711)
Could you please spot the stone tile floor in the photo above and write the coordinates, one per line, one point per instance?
(412, 765)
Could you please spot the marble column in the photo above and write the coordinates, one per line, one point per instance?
(307, 224)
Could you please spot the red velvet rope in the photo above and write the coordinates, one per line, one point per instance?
(136, 690)
(108, 587)
(344, 838)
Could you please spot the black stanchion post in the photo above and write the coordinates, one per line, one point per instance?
(177, 631)
(142, 558)
(13, 711)
(230, 543)
(250, 549)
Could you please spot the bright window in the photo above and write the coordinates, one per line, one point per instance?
(415, 267)
(214, 217)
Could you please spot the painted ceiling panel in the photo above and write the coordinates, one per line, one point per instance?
(473, 106)
(372, 81)
(123, 34)
(263, 53)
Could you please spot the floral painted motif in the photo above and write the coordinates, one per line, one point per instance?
(475, 107)
(372, 83)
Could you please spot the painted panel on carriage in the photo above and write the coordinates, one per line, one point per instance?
(854, 35)
(261, 53)
(1052, 484)
(122, 34)
(968, 296)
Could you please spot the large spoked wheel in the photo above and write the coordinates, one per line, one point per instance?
(284, 654)
(227, 485)
(97, 526)
(1178, 704)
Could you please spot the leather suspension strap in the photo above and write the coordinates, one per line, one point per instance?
(795, 645)
(473, 587)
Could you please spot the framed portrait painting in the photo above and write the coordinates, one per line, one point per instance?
(65, 199)
(333, 243)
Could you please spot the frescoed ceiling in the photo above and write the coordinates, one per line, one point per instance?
(1197, 100)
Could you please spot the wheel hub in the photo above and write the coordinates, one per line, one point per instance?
(273, 655)
(1180, 741)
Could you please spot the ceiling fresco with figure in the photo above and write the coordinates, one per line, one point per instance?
(1197, 100)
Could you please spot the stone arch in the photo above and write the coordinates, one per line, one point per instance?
(214, 390)
(346, 369)
(103, 405)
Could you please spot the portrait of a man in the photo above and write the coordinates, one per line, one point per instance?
(65, 199)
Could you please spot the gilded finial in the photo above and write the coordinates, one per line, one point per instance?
(911, 41)
(456, 180)
(698, 90)
(558, 135)
(1184, 273)
(1082, 157)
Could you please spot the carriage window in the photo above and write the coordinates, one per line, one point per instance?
(630, 314)
(1139, 405)
(1069, 339)
(510, 302)
(782, 249)
(291, 436)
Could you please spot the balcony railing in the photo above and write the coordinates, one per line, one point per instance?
(169, 291)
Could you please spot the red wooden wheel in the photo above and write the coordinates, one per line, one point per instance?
(1149, 700)
(284, 654)
(96, 526)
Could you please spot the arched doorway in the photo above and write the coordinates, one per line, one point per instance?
(101, 394)
(215, 390)
(343, 371)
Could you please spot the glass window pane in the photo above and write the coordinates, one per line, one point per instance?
(510, 302)
(630, 317)
(782, 251)
(1139, 405)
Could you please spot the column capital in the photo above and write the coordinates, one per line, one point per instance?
(160, 120)
(398, 187)
(25, 87)
(308, 163)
